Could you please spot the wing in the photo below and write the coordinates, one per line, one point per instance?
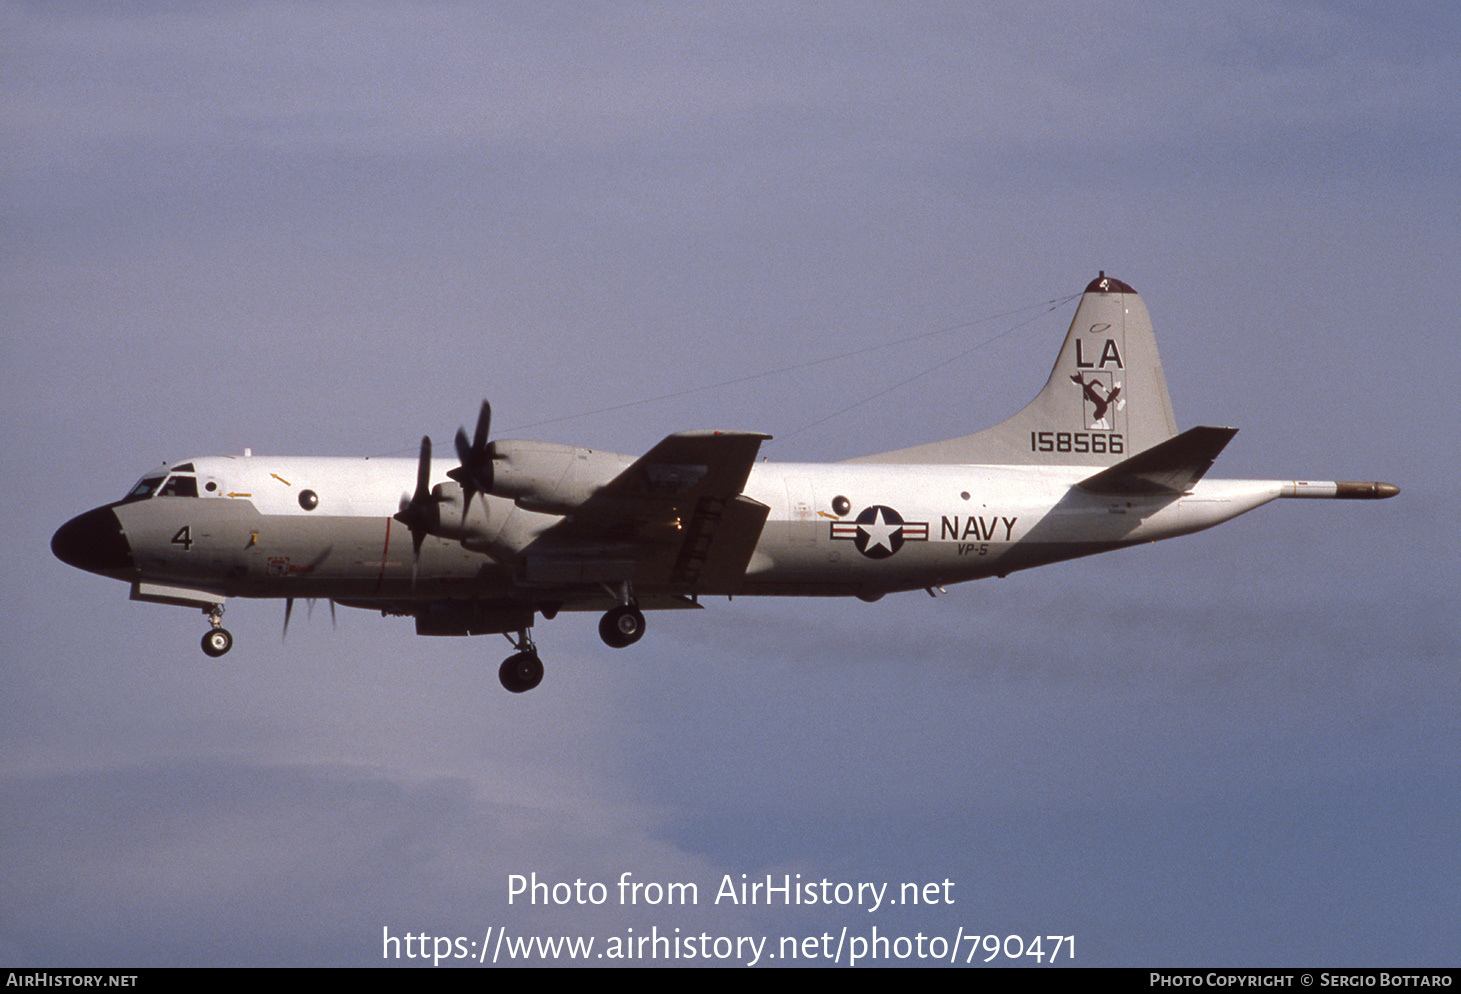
(675, 520)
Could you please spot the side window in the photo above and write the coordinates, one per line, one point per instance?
(179, 486)
(144, 489)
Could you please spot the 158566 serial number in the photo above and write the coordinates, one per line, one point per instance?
(1099, 442)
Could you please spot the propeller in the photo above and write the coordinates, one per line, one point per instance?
(475, 471)
(309, 614)
(418, 511)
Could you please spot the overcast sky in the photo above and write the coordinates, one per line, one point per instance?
(330, 228)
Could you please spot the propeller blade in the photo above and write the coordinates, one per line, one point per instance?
(423, 473)
(475, 471)
(288, 611)
(462, 474)
(484, 425)
(415, 513)
(473, 452)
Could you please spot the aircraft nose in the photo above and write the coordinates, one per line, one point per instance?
(94, 542)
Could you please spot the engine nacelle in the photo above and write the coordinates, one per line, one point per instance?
(473, 528)
(556, 479)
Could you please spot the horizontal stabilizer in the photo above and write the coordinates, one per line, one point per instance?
(1169, 467)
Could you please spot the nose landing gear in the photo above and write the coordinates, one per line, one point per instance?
(217, 640)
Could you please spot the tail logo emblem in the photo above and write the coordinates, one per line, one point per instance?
(879, 531)
(1100, 406)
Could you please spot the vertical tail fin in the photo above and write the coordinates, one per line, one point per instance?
(1106, 398)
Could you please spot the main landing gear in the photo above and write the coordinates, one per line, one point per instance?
(621, 626)
(217, 640)
(522, 671)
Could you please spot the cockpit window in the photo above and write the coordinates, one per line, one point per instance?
(145, 488)
(179, 486)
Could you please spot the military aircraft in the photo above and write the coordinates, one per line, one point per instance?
(518, 529)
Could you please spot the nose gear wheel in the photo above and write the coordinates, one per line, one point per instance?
(217, 640)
